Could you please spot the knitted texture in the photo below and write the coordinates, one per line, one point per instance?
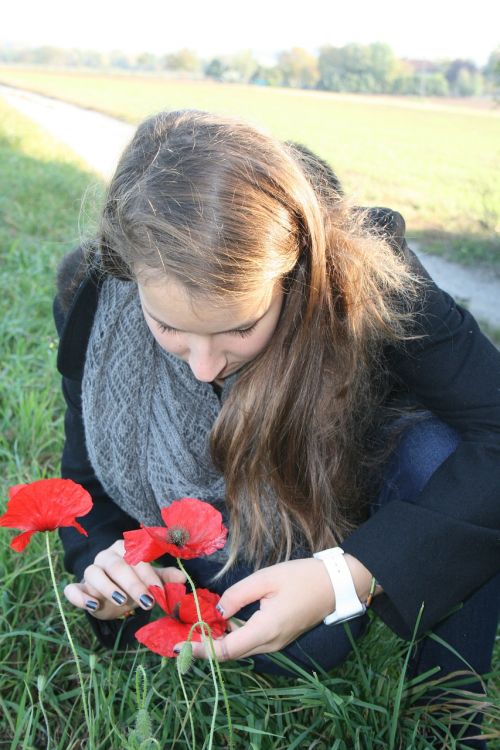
(147, 419)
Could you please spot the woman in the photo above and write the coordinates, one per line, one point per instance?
(246, 336)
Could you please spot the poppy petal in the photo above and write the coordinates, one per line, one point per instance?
(207, 601)
(174, 592)
(162, 635)
(168, 596)
(21, 541)
(15, 489)
(45, 505)
(203, 523)
(144, 545)
(79, 528)
(185, 552)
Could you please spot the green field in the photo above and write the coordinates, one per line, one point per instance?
(439, 166)
(365, 704)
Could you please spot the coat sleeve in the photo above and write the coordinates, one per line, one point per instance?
(106, 522)
(440, 549)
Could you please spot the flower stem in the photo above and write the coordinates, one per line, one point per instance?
(183, 687)
(212, 660)
(70, 639)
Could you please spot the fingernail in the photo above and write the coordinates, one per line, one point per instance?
(91, 605)
(219, 609)
(146, 601)
(118, 598)
(176, 649)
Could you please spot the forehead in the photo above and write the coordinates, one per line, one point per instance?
(171, 303)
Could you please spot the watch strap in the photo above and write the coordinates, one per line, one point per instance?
(347, 604)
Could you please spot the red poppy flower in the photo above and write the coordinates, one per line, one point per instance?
(192, 528)
(44, 505)
(162, 635)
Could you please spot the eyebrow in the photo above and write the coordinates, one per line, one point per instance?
(249, 324)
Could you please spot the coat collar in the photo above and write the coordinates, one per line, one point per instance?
(76, 328)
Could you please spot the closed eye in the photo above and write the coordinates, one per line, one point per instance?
(166, 329)
(244, 331)
(237, 331)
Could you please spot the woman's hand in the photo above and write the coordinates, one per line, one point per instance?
(294, 597)
(110, 587)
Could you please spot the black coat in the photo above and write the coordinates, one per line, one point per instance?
(437, 551)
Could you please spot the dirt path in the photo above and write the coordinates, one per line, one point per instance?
(99, 140)
(96, 138)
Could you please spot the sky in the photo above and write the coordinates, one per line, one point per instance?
(424, 29)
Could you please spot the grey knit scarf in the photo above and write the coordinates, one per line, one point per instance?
(147, 419)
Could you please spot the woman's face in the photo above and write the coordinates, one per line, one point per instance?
(215, 340)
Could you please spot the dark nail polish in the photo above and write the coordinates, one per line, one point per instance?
(118, 598)
(146, 601)
(177, 650)
(219, 609)
(91, 605)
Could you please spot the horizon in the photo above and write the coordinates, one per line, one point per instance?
(263, 57)
(431, 31)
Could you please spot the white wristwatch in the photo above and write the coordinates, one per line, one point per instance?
(347, 604)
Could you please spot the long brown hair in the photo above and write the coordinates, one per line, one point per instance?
(226, 209)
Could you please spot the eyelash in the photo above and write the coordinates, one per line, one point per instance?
(243, 332)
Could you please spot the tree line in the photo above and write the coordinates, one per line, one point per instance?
(358, 68)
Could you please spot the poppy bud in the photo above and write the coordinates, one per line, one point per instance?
(143, 725)
(185, 658)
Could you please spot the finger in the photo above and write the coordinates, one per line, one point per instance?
(150, 575)
(82, 596)
(248, 590)
(111, 559)
(118, 547)
(147, 574)
(252, 638)
(119, 585)
(170, 575)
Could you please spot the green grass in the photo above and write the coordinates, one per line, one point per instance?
(364, 704)
(439, 167)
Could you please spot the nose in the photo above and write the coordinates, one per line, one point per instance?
(204, 362)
